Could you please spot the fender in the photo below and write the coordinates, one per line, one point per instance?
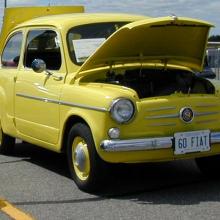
(96, 120)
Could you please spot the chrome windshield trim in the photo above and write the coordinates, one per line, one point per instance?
(71, 104)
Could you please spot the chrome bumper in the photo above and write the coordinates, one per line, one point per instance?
(146, 143)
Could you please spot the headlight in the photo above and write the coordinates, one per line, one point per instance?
(122, 110)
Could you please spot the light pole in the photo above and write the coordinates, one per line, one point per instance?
(5, 3)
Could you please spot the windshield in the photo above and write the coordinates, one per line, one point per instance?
(85, 39)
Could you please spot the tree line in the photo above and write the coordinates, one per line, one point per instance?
(214, 38)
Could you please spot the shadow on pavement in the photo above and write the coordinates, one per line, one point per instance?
(47, 159)
(178, 182)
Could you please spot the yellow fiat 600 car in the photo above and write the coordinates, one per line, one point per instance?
(110, 88)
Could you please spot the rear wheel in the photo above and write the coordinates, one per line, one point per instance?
(6, 143)
(86, 167)
(209, 165)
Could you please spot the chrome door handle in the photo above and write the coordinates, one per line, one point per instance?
(57, 78)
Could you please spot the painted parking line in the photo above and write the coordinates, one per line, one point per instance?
(13, 212)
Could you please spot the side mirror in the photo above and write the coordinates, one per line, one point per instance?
(38, 65)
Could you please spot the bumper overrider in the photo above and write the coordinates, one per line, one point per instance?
(146, 143)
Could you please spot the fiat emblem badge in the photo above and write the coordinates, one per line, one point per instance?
(186, 114)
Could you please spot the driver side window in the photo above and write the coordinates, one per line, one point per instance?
(44, 45)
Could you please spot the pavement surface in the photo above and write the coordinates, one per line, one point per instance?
(36, 182)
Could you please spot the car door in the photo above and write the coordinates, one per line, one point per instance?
(9, 67)
(37, 94)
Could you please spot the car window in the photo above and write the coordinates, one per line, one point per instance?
(43, 44)
(83, 40)
(12, 50)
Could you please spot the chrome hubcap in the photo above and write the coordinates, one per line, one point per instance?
(80, 157)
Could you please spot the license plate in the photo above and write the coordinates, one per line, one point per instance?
(195, 141)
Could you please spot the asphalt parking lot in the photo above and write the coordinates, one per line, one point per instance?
(36, 182)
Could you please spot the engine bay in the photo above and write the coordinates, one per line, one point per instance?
(159, 82)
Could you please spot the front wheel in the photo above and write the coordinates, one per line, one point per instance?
(86, 167)
(209, 165)
(6, 143)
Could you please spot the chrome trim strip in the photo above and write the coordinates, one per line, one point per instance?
(206, 121)
(160, 109)
(205, 113)
(162, 124)
(137, 144)
(71, 104)
(146, 143)
(177, 115)
(163, 116)
(215, 137)
(206, 105)
(38, 98)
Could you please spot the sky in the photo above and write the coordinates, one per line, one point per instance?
(200, 9)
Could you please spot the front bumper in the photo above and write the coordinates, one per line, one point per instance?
(146, 143)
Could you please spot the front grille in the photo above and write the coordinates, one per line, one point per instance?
(170, 115)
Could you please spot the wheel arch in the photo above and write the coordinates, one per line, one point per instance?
(73, 119)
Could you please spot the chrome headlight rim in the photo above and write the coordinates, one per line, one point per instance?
(111, 109)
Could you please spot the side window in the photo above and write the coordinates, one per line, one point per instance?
(12, 50)
(44, 45)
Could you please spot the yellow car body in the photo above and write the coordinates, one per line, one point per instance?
(41, 108)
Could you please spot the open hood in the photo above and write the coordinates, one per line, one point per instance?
(166, 40)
